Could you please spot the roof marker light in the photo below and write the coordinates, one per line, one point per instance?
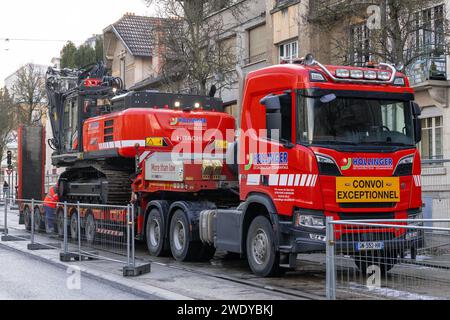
(384, 75)
(400, 82)
(177, 104)
(342, 73)
(318, 77)
(370, 75)
(356, 74)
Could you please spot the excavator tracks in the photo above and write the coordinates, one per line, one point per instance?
(119, 186)
(97, 183)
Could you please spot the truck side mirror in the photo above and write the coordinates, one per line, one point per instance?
(272, 103)
(416, 109)
(273, 115)
(417, 122)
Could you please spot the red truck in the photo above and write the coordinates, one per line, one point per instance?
(315, 142)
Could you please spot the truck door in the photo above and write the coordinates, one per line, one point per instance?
(277, 169)
(294, 179)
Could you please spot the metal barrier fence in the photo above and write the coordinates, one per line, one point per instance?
(81, 232)
(388, 259)
(10, 190)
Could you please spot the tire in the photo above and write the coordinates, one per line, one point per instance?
(384, 260)
(262, 256)
(90, 229)
(39, 222)
(27, 218)
(181, 246)
(74, 226)
(155, 234)
(59, 223)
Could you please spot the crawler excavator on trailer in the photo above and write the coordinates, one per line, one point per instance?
(99, 128)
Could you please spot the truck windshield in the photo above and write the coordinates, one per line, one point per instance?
(330, 120)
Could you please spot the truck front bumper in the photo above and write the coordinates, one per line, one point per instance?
(308, 240)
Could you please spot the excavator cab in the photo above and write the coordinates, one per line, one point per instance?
(70, 125)
(74, 96)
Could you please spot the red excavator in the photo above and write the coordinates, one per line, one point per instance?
(99, 129)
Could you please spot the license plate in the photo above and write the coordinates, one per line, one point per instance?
(367, 190)
(369, 246)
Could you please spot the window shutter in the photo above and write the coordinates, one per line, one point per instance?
(257, 43)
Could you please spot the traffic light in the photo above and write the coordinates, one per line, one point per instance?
(9, 159)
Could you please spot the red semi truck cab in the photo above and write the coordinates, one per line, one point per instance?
(340, 143)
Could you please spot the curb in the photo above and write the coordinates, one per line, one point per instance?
(144, 291)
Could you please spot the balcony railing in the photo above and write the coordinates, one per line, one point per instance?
(431, 65)
(318, 7)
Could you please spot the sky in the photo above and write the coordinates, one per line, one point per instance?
(64, 20)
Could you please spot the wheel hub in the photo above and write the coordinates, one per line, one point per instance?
(178, 236)
(259, 246)
(90, 228)
(155, 233)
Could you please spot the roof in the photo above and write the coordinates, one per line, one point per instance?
(137, 33)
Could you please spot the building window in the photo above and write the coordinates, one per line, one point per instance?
(430, 34)
(427, 47)
(122, 69)
(360, 44)
(227, 51)
(432, 134)
(288, 51)
(257, 44)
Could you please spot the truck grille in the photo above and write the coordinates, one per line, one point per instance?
(368, 236)
(367, 205)
(367, 216)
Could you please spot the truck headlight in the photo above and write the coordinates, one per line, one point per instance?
(405, 167)
(415, 215)
(310, 221)
(327, 166)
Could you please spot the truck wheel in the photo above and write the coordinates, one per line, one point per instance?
(59, 225)
(38, 221)
(27, 218)
(74, 226)
(261, 254)
(181, 246)
(90, 229)
(155, 234)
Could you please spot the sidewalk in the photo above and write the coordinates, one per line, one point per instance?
(164, 281)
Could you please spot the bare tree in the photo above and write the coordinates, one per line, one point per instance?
(194, 43)
(29, 94)
(6, 121)
(395, 31)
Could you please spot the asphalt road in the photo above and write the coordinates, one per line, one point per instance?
(23, 278)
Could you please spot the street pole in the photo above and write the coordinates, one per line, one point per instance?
(330, 261)
(6, 217)
(9, 186)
